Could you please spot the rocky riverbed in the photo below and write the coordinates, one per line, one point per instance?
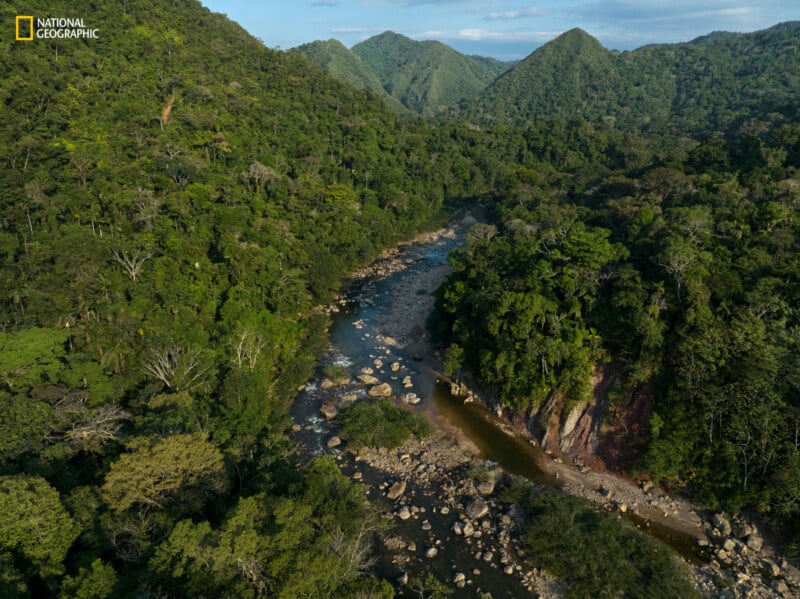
(439, 492)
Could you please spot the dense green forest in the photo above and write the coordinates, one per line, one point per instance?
(682, 273)
(176, 200)
(709, 85)
(426, 77)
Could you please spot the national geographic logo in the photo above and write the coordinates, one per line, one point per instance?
(29, 28)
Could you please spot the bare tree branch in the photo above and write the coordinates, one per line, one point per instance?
(133, 263)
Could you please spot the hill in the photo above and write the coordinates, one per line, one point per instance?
(346, 66)
(428, 77)
(707, 85)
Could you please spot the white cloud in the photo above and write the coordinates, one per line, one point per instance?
(346, 30)
(479, 35)
(512, 15)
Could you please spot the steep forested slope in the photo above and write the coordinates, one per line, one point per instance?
(683, 276)
(345, 66)
(175, 198)
(427, 77)
(699, 87)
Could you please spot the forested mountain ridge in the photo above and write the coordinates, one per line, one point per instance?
(704, 86)
(427, 77)
(175, 198)
(346, 66)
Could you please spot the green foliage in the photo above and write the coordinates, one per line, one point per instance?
(682, 276)
(338, 374)
(427, 77)
(182, 470)
(381, 424)
(310, 542)
(711, 84)
(96, 582)
(522, 326)
(23, 425)
(598, 555)
(35, 526)
(176, 198)
(346, 66)
(31, 357)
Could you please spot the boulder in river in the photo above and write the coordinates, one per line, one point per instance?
(382, 390)
(367, 379)
(334, 442)
(476, 508)
(404, 513)
(467, 529)
(329, 409)
(411, 398)
(395, 366)
(723, 524)
(396, 490)
(485, 488)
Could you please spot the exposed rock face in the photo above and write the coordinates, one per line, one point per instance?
(382, 390)
(329, 409)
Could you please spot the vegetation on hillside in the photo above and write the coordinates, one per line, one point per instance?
(683, 272)
(427, 77)
(175, 201)
(710, 85)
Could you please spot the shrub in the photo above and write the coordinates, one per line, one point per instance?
(381, 424)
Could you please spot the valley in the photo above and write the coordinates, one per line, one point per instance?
(394, 320)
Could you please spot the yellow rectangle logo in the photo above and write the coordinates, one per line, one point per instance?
(20, 35)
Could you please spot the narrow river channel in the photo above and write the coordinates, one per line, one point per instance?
(371, 309)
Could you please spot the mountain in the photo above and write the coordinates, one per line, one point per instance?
(346, 66)
(702, 86)
(570, 75)
(428, 77)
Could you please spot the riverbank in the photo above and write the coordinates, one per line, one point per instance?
(730, 559)
(439, 473)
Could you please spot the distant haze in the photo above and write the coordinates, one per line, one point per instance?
(503, 29)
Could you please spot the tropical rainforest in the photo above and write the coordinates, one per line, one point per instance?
(176, 200)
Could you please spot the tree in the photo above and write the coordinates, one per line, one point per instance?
(30, 357)
(180, 369)
(132, 264)
(35, 526)
(182, 470)
(96, 582)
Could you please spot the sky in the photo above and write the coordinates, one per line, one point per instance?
(503, 29)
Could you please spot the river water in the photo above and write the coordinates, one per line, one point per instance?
(357, 340)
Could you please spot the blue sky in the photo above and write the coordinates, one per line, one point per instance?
(505, 29)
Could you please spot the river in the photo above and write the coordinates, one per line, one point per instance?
(396, 306)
